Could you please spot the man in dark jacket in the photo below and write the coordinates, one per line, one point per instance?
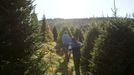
(75, 45)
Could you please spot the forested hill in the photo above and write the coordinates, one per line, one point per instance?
(78, 21)
(59, 22)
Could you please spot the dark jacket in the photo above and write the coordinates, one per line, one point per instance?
(75, 45)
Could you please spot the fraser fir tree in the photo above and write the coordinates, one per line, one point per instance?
(88, 48)
(46, 32)
(79, 35)
(55, 34)
(37, 65)
(16, 41)
(72, 30)
(113, 51)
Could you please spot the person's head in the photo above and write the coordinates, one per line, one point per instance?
(65, 32)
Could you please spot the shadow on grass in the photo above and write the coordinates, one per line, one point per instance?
(63, 67)
(60, 51)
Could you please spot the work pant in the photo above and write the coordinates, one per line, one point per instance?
(76, 58)
(67, 55)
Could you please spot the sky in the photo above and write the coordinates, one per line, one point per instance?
(81, 8)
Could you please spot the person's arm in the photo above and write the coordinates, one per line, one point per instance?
(79, 44)
(69, 46)
(63, 39)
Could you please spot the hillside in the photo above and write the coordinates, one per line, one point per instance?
(78, 21)
(59, 22)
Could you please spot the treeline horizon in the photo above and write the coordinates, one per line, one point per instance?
(86, 18)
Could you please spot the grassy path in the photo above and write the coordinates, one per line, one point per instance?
(58, 63)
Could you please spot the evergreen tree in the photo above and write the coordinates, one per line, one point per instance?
(37, 66)
(55, 34)
(34, 22)
(114, 10)
(43, 28)
(46, 33)
(88, 48)
(72, 29)
(113, 51)
(78, 35)
(16, 41)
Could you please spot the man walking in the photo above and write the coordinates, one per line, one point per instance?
(75, 45)
(66, 39)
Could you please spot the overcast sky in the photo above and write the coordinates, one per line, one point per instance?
(81, 8)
